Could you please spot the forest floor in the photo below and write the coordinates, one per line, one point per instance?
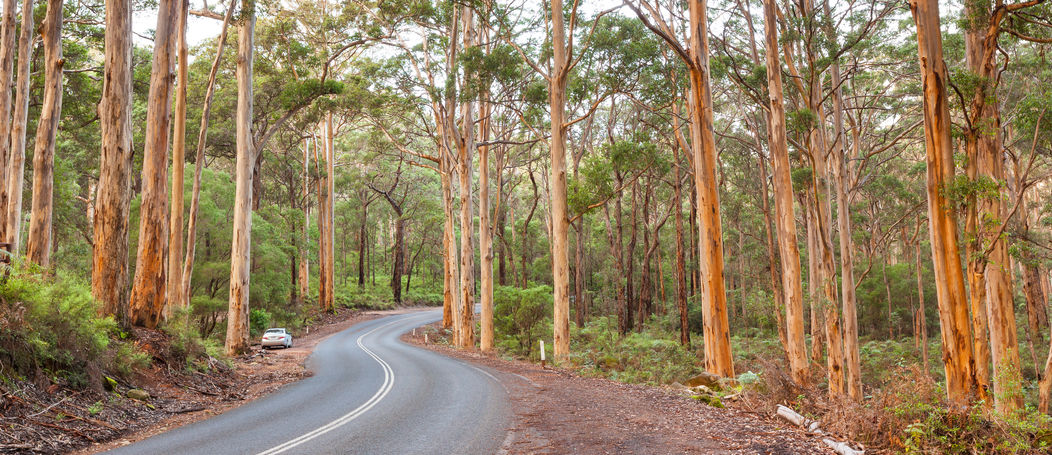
(49, 418)
(559, 412)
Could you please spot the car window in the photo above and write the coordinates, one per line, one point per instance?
(275, 331)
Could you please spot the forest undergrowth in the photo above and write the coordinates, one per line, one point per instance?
(904, 410)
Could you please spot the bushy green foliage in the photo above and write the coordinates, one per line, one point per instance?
(521, 317)
(51, 327)
(932, 427)
(651, 356)
(258, 321)
(366, 298)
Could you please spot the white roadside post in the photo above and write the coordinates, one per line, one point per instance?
(542, 353)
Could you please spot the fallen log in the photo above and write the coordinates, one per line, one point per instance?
(795, 418)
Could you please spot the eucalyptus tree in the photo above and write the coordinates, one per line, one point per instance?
(989, 269)
(149, 287)
(38, 248)
(16, 154)
(949, 278)
(241, 240)
(693, 50)
(7, 62)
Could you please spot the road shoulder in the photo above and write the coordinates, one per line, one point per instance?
(557, 412)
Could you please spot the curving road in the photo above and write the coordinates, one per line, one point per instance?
(370, 394)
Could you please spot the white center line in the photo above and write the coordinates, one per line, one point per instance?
(384, 389)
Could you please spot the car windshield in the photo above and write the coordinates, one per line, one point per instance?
(276, 331)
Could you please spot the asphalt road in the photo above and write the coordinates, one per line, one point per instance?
(370, 394)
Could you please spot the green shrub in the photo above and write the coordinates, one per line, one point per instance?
(651, 356)
(51, 326)
(521, 317)
(258, 321)
(366, 298)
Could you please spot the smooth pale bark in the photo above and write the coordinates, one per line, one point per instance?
(466, 148)
(7, 62)
(1004, 343)
(202, 139)
(149, 289)
(326, 255)
(557, 184)
(949, 278)
(712, 290)
(842, 172)
(330, 201)
(450, 283)
(984, 144)
(485, 233)
(177, 300)
(17, 152)
(109, 271)
(38, 247)
(321, 156)
(241, 241)
(304, 250)
(788, 251)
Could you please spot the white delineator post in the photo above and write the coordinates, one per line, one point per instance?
(542, 353)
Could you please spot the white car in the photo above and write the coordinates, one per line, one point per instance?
(277, 337)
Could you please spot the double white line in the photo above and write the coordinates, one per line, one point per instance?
(385, 388)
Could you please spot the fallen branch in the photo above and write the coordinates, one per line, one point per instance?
(795, 418)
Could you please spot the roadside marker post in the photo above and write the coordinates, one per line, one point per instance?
(542, 353)
(425, 338)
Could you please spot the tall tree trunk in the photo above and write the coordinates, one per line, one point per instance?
(557, 183)
(304, 237)
(149, 289)
(485, 231)
(38, 248)
(843, 175)
(450, 284)
(177, 300)
(199, 161)
(949, 279)
(976, 273)
(17, 152)
(109, 271)
(241, 242)
(326, 254)
(467, 149)
(7, 62)
(788, 251)
(713, 293)
(330, 213)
